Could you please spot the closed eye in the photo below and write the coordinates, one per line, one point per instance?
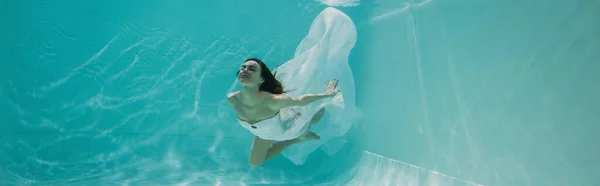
(250, 68)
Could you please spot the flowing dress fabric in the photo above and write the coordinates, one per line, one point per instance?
(321, 56)
(283, 126)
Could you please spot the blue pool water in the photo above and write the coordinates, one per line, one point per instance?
(456, 92)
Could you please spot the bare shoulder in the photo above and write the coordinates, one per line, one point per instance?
(278, 101)
(233, 97)
(270, 97)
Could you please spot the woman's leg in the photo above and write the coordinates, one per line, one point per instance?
(258, 151)
(263, 150)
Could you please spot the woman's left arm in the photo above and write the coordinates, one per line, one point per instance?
(282, 101)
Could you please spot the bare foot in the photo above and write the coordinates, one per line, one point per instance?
(309, 136)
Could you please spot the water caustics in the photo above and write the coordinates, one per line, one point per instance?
(139, 108)
(433, 92)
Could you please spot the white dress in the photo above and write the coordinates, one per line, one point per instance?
(284, 126)
(321, 56)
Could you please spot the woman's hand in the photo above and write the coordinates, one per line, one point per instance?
(330, 88)
(279, 101)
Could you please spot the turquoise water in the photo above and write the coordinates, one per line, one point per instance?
(456, 92)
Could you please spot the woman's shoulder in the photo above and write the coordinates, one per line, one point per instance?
(233, 94)
(232, 97)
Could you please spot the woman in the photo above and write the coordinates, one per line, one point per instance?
(262, 108)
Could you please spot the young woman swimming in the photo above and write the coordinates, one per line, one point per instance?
(264, 110)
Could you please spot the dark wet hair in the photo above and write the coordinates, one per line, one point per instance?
(270, 83)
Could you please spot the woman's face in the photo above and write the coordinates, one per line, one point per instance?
(249, 74)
